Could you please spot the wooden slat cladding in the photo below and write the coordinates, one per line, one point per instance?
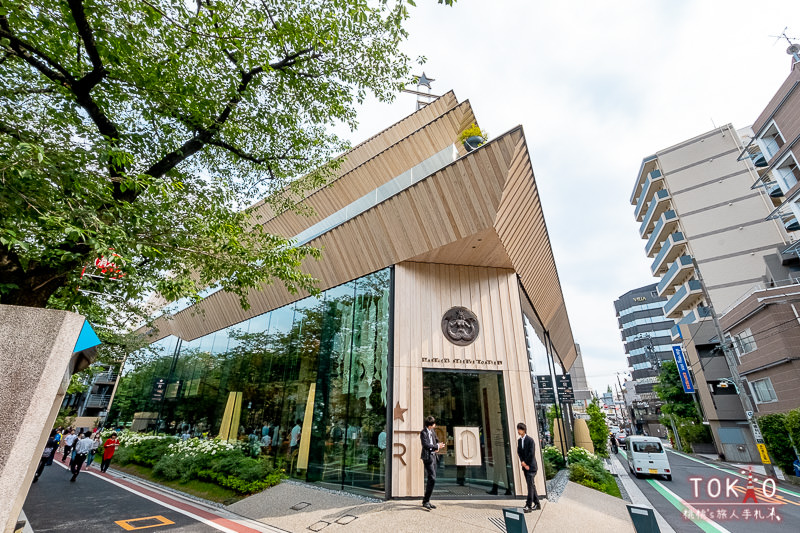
(370, 175)
(423, 293)
(523, 231)
(418, 220)
(376, 144)
(492, 191)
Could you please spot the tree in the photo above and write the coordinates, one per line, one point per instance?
(134, 134)
(598, 429)
(670, 391)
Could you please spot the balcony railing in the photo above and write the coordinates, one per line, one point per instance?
(106, 377)
(690, 318)
(675, 275)
(98, 400)
(683, 299)
(652, 177)
(657, 206)
(665, 223)
(673, 247)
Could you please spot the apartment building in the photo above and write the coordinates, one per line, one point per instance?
(646, 335)
(708, 237)
(763, 325)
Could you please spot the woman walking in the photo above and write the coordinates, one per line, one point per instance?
(109, 447)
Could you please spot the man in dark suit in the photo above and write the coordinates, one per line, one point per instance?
(525, 450)
(430, 447)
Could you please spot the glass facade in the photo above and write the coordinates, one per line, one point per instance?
(314, 370)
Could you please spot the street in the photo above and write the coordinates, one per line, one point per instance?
(99, 503)
(720, 492)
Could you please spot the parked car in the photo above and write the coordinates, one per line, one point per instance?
(646, 456)
(622, 439)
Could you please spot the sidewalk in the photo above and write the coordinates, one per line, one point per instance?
(296, 507)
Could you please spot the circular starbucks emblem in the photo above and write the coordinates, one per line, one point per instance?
(460, 326)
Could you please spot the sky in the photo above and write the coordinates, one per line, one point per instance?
(597, 86)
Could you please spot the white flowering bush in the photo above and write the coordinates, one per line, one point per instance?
(577, 454)
(195, 447)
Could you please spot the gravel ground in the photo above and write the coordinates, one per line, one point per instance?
(556, 486)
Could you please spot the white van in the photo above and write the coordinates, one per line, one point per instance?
(647, 456)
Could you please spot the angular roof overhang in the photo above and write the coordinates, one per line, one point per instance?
(487, 199)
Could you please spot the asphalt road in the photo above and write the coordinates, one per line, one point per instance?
(92, 504)
(699, 486)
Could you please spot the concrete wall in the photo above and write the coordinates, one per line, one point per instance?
(722, 219)
(35, 358)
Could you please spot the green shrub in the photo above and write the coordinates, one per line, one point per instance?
(148, 452)
(552, 455)
(587, 469)
(122, 456)
(692, 432)
(549, 470)
(775, 429)
(168, 467)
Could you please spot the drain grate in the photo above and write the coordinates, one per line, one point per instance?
(345, 519)
(318, 526)
(499, 523)
(299, 506)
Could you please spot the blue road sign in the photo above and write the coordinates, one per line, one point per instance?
(683, 369)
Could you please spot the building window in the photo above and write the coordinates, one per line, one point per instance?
(322, 361)
(744, 342)
(763, 391)
(771, 141)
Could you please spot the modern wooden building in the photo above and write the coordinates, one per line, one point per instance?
(433, 258)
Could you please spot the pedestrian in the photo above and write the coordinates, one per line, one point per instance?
(109, 447)
(93, 451)
(526, 448)
(48, 454)
(294, 441)
(82, 448)
(430, 458)
(69, 442)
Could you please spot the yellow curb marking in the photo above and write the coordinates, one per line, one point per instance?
(126, 524)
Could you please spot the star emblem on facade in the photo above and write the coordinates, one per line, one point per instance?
(398, 412)
(424, 81)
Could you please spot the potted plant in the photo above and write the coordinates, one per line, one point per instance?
(473, 137)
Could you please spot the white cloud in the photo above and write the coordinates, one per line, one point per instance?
(598, 86)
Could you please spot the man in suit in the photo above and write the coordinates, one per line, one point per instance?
(525, 450)
(430, 447)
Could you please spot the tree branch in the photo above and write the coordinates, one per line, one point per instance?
(26, 51)
(98, 71)
(249, 157)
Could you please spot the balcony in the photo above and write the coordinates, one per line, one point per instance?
(658, 205)
(695, 315)
(686, 297)
(98, 401)
(774, 190)
(652, 177)
(676, 275)
(106, 378)
(673, 248)
(791, 224)
(666, 224)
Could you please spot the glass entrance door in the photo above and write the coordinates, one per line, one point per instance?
(472, 403)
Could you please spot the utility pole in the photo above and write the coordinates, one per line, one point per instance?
(738, 382)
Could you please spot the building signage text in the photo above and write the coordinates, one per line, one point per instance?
(683, 369)
(447, 360)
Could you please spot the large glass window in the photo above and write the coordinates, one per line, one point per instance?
(310, 380)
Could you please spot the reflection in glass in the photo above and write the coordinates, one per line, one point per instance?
(312, 377)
